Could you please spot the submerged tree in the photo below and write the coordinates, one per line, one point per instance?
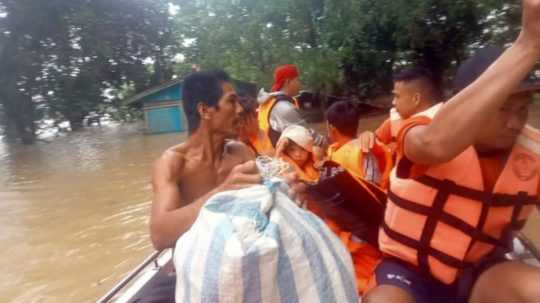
(71, 52)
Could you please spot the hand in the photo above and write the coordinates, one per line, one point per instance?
(319, 154)
(530, 32)
(319, 164)
(297, 188)
(367, 141)
(241, 176)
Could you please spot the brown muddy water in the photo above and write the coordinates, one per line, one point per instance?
(74, 212)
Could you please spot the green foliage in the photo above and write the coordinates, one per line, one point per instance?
(59, 57)
(347, 46)
(70, 52)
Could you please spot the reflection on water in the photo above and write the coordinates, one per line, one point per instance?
(74, 212)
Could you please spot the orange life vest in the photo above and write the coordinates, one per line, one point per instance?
(445, 220)
(308, 173)
(350, 157)
(365, 256)
(264, 111)
(261, 145)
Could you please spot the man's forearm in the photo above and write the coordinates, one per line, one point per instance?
(168, 226)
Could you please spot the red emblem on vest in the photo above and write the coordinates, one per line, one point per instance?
(524, 166)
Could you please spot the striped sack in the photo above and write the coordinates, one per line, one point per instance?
(255, 245)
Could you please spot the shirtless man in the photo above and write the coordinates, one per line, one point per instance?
(186, 175)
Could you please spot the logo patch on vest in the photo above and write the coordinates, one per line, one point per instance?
(524, 166)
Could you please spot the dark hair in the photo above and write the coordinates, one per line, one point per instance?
(249, 105)
(413, 73)
(423, 74)
(201, 87)
(344, 116)
(221, 75)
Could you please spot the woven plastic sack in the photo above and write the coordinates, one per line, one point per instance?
(256, 245)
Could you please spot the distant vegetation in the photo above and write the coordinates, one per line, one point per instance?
(62, 60)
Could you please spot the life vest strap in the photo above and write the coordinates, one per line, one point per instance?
(516, 223)
(495, 199)
(446, 218)
(273, 134)
(437, 209)
(437, 254)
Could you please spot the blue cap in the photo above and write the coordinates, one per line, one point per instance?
(472, 68)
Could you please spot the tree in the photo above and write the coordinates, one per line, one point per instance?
(73, 51)
(358, 42)
(107, 46)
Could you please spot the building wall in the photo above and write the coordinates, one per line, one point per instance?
(165, 118)
(170, 93)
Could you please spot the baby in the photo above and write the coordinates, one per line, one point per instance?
(298, 152)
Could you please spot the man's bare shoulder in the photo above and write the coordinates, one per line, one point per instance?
(172, 161)
(239, 149)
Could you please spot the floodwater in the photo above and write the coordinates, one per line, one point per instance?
(74, 212)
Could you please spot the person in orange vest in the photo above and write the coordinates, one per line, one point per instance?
(374, 167)
(415, 90)
(280, 109)
(249, 131)
(299, 152)
(468, 175)
(345, 148)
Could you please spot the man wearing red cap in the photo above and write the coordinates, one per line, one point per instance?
(279, 109)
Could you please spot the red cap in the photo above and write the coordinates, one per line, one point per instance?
(282, 74)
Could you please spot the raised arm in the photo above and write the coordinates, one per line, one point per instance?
(456, 125)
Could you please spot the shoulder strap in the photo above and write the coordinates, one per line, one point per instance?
(284, 97)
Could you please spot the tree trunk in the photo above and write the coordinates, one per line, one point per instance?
(76, 124)
(17, 130)
(19, 120)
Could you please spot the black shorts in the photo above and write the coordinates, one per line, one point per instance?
(423, 287)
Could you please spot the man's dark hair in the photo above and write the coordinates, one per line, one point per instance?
(249, 104)
(344, 116)
(221, 75)
(201, 87)
(423, 74)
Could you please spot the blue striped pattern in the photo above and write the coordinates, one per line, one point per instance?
(316, 262)
(210, 283)
(251, 277)
(349, 285)
(282, 239)
(186, 270)
(287, 286)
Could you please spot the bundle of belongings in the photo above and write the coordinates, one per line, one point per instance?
(257, 245)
